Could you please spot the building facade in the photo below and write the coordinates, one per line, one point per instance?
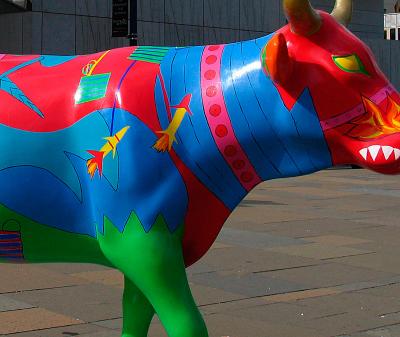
(392, 6)
(58, 27)
(392, 26)
(84, 26)
(183, 22)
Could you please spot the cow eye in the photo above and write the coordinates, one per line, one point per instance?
(350, 63)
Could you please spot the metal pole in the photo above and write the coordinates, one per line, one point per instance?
(133, 23)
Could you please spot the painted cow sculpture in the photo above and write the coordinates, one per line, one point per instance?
(134, 158)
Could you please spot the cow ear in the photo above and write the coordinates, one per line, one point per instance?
(276, 60)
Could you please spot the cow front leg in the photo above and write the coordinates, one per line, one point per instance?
(168, 290)
(137, 311)
(153, 262)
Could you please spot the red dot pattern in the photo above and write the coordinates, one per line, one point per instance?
(230, 151)
(210, 74)
(219, 121)
(221, 131)
(211, 59)
(215, 110)
(211, 91)
(239, 164)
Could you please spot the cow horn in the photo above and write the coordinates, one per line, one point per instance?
(343, 11)
(303, 18)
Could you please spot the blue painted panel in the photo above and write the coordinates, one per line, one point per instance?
(277, 115)
(148, 183)
(196, 146)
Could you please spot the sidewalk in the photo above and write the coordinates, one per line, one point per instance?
(316, 256)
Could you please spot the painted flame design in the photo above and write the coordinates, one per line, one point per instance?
(375, 122)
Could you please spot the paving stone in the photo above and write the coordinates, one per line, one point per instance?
(32, 319)
(318, 251)
(329, 274)
(108, 277)
(255, 240)
(352, 302)
(373, 190)
(310, 192)
(115, 323)
(72, 268)
(338, 240)
(389, 331)
(248, 284)
(248, 260)
(87, 330)
(24, 277)
(268, 214)
(377, 262)
(292, 313)
(388, 290)
(345, 323)
(9, 304)
(311, 227)
(226, 325)
(207, 295)
(103, 334)
(87, 302)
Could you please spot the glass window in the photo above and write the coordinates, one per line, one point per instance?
(393, 34)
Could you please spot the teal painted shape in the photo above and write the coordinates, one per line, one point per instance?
(149, 54)
(48, 150)
(92, 88)
(20, 66)
(10, 87)
(53, 60)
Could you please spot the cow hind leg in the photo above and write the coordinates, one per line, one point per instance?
(137, 311)
(153, 262)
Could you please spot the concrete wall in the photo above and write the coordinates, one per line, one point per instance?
(367, 22)
(387, 54)
(183, 22)
(84, 26)
(59, 27)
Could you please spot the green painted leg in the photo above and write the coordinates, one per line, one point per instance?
(174, 304)
(154, 263)
(138, 312)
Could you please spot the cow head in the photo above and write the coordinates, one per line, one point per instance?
(358, 108)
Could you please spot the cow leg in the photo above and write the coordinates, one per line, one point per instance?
(168, 290)
(153, 262)
(137, 310)
(165, 285)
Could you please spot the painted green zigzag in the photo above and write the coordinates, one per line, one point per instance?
(43, 244)
(144, 248)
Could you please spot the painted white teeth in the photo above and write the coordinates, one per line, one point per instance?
(387, 151)
(373, 151)
(364, 153)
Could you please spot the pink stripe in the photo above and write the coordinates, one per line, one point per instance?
(359, 110)
(219, 121)
(2, 55)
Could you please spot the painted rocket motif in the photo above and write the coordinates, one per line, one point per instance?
(96, 162)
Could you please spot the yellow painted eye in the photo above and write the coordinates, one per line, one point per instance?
(350, 63)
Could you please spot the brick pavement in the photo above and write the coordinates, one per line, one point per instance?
(315, 256)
